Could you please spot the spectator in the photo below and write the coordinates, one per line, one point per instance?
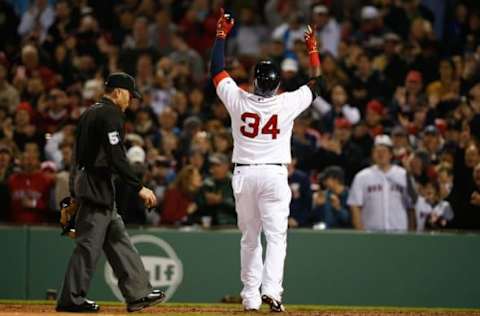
(301, 203)
(64, 25)
(249, 36)
(54, 111)
(466, 186)
(379, 197)
(390, 63)
(215, 198)
(29, 190)
(304, 142)
(161, 32)
(6, 163)
(8, 27)
(407, 99)
(371, 30)
(31, 67)
(290, 77)
(328, 29)
(330, 205)
(179, 197)
(374, 117)
(24, 131)
(290, 31)
(432, 143)
(36, 20)
(9, 97)
(431, 211)
(185, 55)
(338, 108)
(341, 150)
(367, 84)
(333, 73)
(223, 142)
(161, 175)
(447, 88)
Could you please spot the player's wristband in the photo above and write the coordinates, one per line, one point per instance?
(314, 58)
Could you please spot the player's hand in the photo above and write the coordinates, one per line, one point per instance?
(310, 39)
(148, 197)
(224, 24)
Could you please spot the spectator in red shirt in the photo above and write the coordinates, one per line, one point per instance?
(55, 111)
(31, 67)
(178, 203)
(29, 191)
(24, 131)
(374, 117)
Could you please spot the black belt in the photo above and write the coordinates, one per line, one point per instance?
(257, 164)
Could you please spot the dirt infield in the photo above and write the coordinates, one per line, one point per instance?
(202, 309)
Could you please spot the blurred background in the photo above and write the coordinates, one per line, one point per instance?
(405, 68)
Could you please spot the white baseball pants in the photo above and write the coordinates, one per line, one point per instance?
(262, 196)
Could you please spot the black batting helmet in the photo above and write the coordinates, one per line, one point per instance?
(266, 78)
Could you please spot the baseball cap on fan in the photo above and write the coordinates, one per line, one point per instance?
(383, 140)
(136, 154)
(369, 13)
(124, 81)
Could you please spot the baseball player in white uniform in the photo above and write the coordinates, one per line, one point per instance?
(379, 198)
(262, 124)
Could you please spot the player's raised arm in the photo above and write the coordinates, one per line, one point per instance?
(217, 67)
(316, 81)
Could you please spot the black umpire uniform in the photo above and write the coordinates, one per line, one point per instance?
(99, 156)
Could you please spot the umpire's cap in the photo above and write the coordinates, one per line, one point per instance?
(333, 172)
(266, 78)
(124, 81)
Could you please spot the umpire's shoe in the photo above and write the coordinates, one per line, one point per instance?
(275, 306)
(87, 307)
(155, 297)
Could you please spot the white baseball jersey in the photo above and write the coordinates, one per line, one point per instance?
(423, 209)
(261, 127)
(382, 197)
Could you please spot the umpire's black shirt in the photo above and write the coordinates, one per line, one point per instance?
(100, 154)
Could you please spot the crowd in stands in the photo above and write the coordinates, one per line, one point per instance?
(401, 78)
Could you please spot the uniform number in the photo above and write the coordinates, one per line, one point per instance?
(252, 124)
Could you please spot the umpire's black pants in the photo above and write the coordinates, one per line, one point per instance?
(100, 229)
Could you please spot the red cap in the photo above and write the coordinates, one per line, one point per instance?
(26, 107)
(441, 125)
(414, 75)
(342, 123)
(375, 106)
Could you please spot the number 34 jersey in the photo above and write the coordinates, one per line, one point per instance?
(261, 127)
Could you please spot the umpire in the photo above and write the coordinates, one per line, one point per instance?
(99, 156)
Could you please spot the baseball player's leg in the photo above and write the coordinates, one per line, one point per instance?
(274, 204)
(132, 278)
(249, 223)
(91, 227)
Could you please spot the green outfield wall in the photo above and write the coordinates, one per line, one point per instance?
(323, 267)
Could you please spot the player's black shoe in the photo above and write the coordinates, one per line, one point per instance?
(275, 306)
(86, 307)
(155, 297)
